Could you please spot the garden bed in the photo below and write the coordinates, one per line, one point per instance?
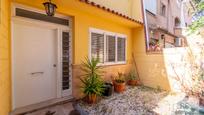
(142, 100)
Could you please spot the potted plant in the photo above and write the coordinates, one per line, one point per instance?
(119, 83)
(91, 80)
(132, 79)
(108, 89)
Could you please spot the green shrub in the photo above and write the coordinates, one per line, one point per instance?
(91, 80)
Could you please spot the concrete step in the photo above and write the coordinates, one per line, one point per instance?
(41, 105)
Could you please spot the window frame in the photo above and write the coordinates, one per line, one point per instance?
(163, 11)
(105, 47)
(106, 33)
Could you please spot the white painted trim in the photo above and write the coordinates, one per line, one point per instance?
(69, 91)
(110, 33)
(97, 30)
(89, 44)
(38, 23)
(59, 70)
(123, 37)
(104, 49)
(105, 33)
(116, 48)
(17, 5)
(59, 28)
(12, 70)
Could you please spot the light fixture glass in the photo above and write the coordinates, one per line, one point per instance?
(50, 8)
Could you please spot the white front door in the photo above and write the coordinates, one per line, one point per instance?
(34, 64)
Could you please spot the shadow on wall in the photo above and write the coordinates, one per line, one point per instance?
(151, 67)
(183, 65)
(175, 68)
(178, 69)
(109, 72)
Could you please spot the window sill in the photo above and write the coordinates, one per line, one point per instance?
(113, 64)
(154, 52)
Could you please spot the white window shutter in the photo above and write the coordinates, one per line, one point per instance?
(110, 48)
(121, 45)
(97, 46)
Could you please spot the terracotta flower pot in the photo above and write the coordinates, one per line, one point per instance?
(91, 99)
(119, 87)
(132, 82)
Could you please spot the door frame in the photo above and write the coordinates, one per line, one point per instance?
(59, 28)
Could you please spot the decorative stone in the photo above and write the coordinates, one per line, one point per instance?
(143, 101)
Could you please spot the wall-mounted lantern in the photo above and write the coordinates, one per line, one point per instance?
(50, 8)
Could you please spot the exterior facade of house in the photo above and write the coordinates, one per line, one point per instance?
(165, 20)
(40, 56)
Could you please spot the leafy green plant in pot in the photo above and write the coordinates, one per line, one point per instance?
(119, 83)
(132, 78)
(91, 80)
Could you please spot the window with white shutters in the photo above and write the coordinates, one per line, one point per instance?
(108, 47)
(121, 49)
(97, 46)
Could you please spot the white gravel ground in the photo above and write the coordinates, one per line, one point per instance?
(134, 101)
(143, 101)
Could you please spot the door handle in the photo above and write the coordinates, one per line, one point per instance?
(36, 73)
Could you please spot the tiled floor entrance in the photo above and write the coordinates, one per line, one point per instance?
(64, 109)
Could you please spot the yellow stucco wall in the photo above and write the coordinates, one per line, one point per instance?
(130, 8)
(82, 24)
(151, 67)
(136, 12)
(122, 6)
(82, 21)
(167, 70)
(5, 81)
(85, 16)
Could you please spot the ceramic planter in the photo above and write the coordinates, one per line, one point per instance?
(91, 99)
(132, 82)
(119, 87)
(108, 89)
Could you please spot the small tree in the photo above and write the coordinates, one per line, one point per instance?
(91, 80)
(198, 16)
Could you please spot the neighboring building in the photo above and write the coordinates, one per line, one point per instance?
(164, 22)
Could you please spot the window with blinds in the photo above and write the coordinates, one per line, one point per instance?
(108, 48)
(97, 46)
(121, 49)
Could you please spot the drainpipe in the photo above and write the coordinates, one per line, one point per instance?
(145, 23)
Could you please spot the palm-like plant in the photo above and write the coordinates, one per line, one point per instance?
(92, 82)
